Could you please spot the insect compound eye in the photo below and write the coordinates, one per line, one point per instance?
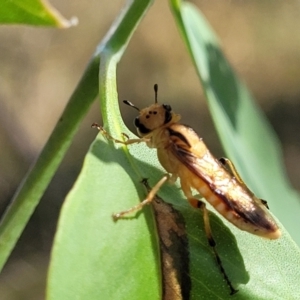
(142, 128)
(167, 107)
(168, 115)
(137, 122)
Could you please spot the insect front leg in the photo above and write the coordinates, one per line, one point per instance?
(109, 137)
(148, 199)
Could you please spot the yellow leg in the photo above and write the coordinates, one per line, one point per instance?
(229, 163)
(148, 199)
(201, 205)
(153, 191)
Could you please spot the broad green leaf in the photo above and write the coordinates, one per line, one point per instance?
(87, 238)
(250, 142)
(94, 257)
(244, 132)
(32, 12)
(81, 267)
(120, 260)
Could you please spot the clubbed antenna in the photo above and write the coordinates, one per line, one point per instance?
(130, 104)
(155, 91)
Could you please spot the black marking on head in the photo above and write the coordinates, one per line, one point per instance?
(151, 112)
(180, 136)
(167, 107)
(168, 114)
(142, 128)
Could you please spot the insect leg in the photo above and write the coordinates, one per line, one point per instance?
(109, 137)
(265, 203)
(201, 205)
(227, 162)
(148, 199)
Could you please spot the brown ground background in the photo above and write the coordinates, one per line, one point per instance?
(40, 67)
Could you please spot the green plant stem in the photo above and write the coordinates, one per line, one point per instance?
(39, 176)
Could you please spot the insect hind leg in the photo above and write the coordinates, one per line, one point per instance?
(212, 243)
(228, 163)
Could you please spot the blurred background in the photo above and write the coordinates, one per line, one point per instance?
(40, 67)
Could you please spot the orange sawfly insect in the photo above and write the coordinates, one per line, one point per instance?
(184, 155)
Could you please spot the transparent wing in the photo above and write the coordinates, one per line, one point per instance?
(223, 184)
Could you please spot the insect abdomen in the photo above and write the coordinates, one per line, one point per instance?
(255, 220)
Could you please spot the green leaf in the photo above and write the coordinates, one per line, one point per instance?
(87, 237)
(95, 257)
(246, 136)
(32, 12)
(252, 145)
